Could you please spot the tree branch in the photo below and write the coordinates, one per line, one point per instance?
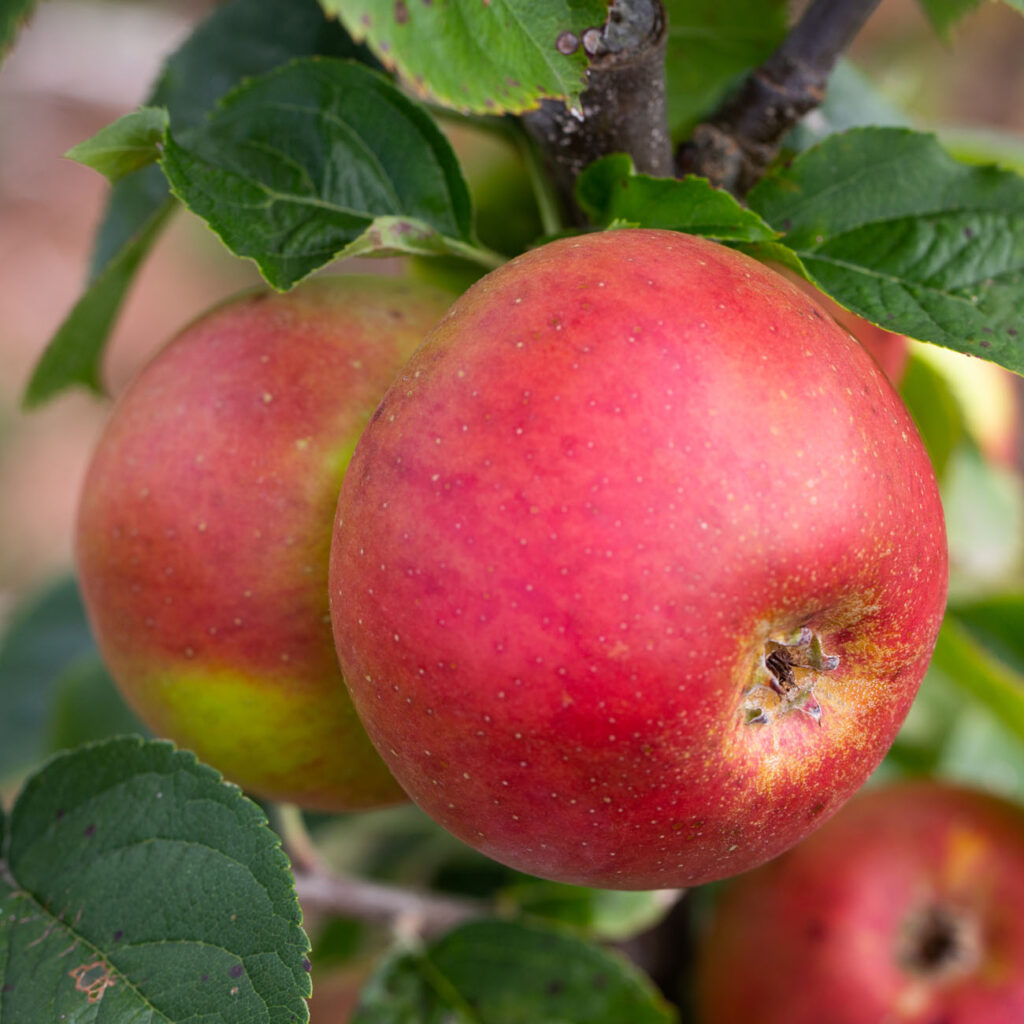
(735, 147)
(623, 104)
(408, 910)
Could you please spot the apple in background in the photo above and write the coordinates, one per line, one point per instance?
(907, 907)
(890, 350)
(205, 525)
(639, 565)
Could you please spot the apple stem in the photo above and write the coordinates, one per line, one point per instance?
(736, 145)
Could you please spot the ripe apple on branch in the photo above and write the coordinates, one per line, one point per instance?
(621, 583)
(904, 906)
(632, 557)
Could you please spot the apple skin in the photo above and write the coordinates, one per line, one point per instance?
(619, 469)
(891, 351)
(205, 525)
(906, 908)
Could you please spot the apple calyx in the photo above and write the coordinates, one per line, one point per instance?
(939, 942)
(780, 662)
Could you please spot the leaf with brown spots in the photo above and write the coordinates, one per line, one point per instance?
(478, 56)
(134, 880)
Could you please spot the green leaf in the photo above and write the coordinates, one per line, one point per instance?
(1017, 5)
(320, 159)
(54, 691)
(997, 622)
(979, 673)
(887, 223)
(505, 972)
(13, 14)
(984, 145)
(74, 353)
(984, 506)
(87, 706)
(242, 38)
(128, 144)
(138, 882)
(982, 752)
(935, 411)
(46, 635)
(501, 56)
(710, 44)
(944, 14)
(610, 190)
(601, 913)
(949, 734)
(927, 729)
(238, 39)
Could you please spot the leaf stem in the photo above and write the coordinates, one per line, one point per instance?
(735, 147)
(478, 254)
(543, 189)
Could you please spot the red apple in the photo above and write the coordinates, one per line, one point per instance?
(907, 907)
(891, 351)
(205, 525)
(639, 565)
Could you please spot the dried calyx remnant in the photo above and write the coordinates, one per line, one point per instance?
(939, 942)
(791, 668)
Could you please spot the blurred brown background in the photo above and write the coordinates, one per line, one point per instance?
(81, 64)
